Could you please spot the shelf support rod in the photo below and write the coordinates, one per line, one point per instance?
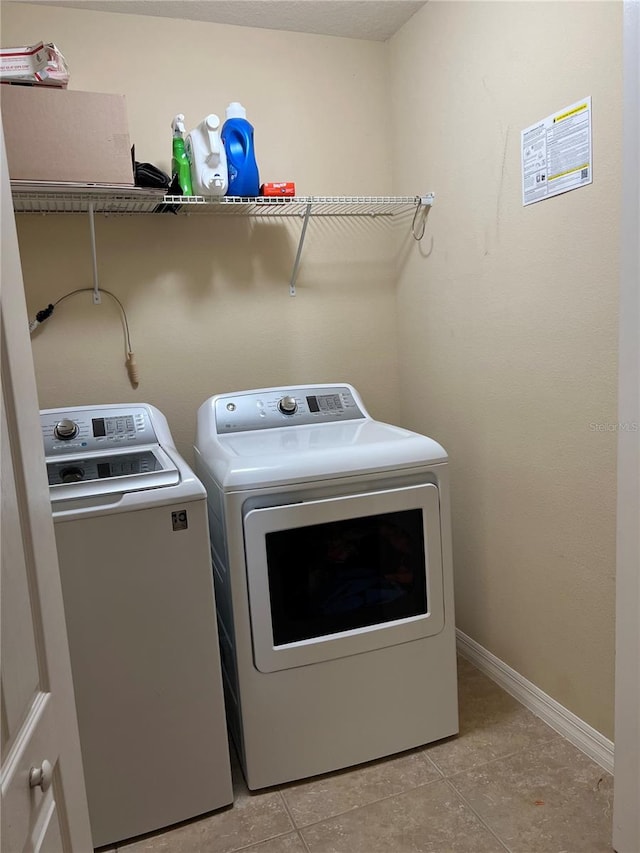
(97, 299)
(296, 263)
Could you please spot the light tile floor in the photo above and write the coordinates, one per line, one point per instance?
(507, 782)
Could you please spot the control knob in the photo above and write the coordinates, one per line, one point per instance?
(65, 429)
(72, 474)
(288, 405)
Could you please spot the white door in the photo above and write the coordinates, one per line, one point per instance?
(44, 805)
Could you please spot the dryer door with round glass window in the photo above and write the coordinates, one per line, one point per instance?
(340, 576)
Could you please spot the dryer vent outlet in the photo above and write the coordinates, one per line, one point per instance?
(179, 520)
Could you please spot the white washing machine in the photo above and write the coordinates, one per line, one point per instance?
(133, 545)
(331, 547)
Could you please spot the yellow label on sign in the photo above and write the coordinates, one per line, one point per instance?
(568, 172)
(570, 113)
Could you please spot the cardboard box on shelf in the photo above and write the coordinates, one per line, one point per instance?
(59, 136)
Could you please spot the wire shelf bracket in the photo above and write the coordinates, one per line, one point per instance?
(296, 263)
(422, 203)
(97, 299)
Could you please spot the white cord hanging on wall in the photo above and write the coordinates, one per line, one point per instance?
(130, 362)
(419, 224)
(41, 316)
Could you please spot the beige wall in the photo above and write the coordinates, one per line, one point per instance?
(208, 297)
(507, 322)
(507, 316)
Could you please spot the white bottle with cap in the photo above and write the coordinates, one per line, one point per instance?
(206, 153)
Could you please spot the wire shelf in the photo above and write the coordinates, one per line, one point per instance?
(30, 197)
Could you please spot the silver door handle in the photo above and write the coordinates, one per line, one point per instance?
(41, 777)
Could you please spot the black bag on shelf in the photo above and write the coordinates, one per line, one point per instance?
(147, 175)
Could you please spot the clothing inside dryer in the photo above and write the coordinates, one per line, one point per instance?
(343, 575)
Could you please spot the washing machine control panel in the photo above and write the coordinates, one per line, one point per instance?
(285, 407)
(95, 429)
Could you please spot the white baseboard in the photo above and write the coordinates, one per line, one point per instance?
(580, 734)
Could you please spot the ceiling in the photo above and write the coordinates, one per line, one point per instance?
(376, 20)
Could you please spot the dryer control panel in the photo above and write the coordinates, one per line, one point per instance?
(268, 408)
(87, 430)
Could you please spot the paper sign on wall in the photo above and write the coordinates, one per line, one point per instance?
(556, 153)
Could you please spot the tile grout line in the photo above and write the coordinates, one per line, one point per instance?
(249, 845)
(370, 803)
(442, 778)
(426, 755)
(491, 760)
(264, 841)
(303, 840)
(292, 819)
(487, 826)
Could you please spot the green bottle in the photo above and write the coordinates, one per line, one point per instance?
(180, 165)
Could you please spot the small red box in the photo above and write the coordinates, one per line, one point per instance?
(286, 188)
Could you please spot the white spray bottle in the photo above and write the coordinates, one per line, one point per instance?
(206, 153)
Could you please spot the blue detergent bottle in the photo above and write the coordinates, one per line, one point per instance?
(237, 138)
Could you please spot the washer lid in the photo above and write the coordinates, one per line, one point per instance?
(321, 451)
(109, 473)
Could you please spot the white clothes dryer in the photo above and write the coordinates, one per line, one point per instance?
(331, 547)
(131, 531)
